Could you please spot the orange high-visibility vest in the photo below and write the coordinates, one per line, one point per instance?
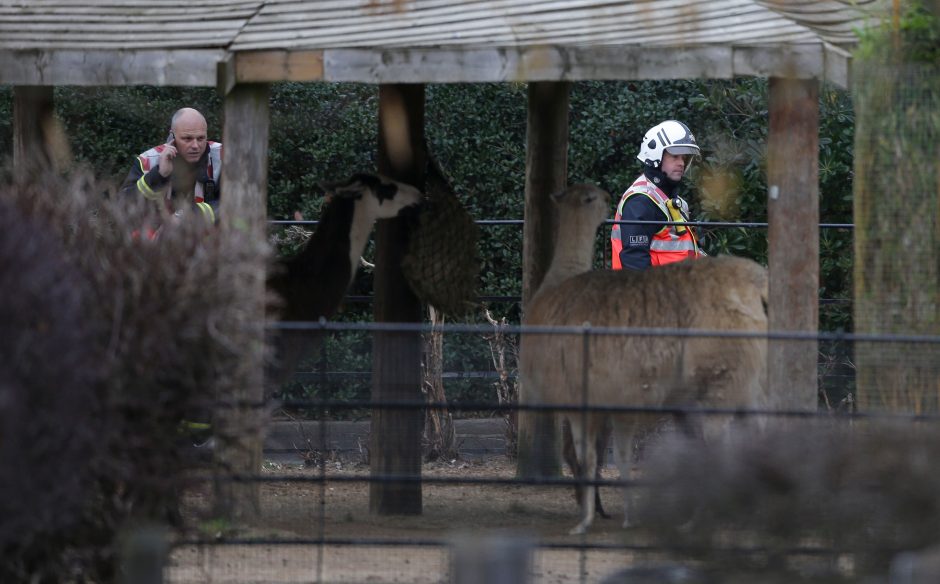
(672, 243)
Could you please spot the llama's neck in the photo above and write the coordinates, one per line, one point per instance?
(333, 239)
(359, 230)
(573, 255)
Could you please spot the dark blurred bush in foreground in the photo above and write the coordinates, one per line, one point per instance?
(109, 341)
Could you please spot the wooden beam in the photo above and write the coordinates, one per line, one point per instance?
(543, 63)
(196, 68)
(546, 173)
(244, 215)
(793, 232)
(396, 367)
(793, 62)
(837, 66)
(420, 65)
(271, 66)
(559, 63)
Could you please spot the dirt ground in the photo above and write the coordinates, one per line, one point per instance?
(338, 511)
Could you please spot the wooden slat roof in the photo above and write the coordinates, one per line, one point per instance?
(111, 42)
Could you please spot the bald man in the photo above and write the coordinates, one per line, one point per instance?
(183, 171)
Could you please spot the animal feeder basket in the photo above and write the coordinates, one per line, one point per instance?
(441, 262)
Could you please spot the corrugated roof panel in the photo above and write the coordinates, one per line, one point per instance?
(316, 24)
(752, 27)
(471, 14)
(58, 24)
(833, 20)
(513, 23)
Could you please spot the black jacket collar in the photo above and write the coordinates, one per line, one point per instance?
(668, 186)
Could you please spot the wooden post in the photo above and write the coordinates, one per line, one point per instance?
(546, 173)
(39, 144)
(396, 363)
(793, 216)
(243, 215)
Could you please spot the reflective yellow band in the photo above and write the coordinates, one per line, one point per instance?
(207, 211)
(190, 425)
(144, 188)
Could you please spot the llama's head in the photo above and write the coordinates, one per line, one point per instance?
(376, 196)
(583, 204)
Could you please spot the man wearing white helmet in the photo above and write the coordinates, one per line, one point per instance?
(666, 153)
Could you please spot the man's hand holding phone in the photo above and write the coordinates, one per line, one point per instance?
(167, 155)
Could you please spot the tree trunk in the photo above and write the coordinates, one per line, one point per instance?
(39, 140)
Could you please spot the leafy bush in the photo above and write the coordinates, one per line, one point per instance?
(896, 83)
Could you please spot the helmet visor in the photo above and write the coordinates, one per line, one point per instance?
(680, 150)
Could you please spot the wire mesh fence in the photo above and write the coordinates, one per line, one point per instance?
(826, 494)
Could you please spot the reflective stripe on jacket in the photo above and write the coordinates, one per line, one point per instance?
(672, 243)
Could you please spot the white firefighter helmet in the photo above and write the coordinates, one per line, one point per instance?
(672, 136)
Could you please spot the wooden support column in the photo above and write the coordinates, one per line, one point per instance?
(546, 173)
(243, 215)
(396, 363)
(793, 215)
(39, 143)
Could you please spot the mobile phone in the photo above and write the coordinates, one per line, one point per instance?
(171, 138)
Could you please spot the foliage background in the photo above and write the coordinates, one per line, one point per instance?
(477, 132)
(896, 84)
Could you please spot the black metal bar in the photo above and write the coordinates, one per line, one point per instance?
(548, 545)
(601, 331)
(324, 376)
(652, 410)
(320, 478)
(702, 224)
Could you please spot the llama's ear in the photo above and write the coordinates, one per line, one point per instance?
(589, 193)
(329, 186)
(350, 187)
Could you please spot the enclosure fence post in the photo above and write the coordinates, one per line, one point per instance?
(491, 559)
(143, 556)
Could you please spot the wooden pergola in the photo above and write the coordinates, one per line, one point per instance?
(241, 46)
